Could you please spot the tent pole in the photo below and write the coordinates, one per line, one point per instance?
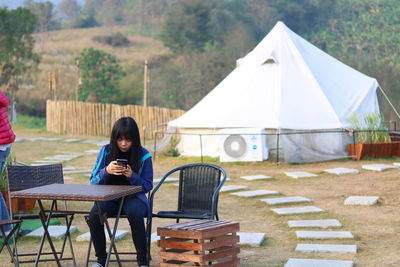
(201, 148)
(277, 148)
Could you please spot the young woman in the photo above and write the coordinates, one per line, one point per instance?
(124, 144)
(7, 137)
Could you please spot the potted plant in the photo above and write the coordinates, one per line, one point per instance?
(371, 138)
(17, 204)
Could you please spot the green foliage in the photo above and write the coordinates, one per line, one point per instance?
(187, 27)
(27, 121)
(131, 87)
(172, 150)
(304, 16)
(371, 129)
(364, 28)
(100, 74)
(3, 176)
(16, 46)
(114, 40)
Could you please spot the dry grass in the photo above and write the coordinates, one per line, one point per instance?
(376, 228)
(59, 49)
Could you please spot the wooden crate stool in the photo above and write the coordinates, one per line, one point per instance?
(199, 243)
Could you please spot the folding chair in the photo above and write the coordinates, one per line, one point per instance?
(24, 177)
(6, 237)
(199, 186)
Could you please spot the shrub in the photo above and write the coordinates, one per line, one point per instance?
(114, 40)
(172, 150)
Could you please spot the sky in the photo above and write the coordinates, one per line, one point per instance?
(16, 3)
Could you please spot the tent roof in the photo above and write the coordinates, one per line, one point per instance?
(285, 82)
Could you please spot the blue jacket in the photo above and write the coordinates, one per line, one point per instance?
(144, 178)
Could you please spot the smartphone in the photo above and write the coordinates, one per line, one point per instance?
(122, 162)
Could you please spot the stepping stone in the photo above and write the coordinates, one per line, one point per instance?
(361, 200)
(252, 239)
(101, 143)
(35, 139)
(67, 157)
(341, 171)
(119, 235)
(48, 161)
(56, 231)
(326, 248)
(297, 210)
(285, 200)
(154, 237)
(378, 167)
(71, 140)
(255, 193)
(89, 141)
(256, 177)
(396, 164)
(168, 180)
(314, 223)
(297, 175)
(92, 151)
(324, 235)
(78, 171)
(317, 263)
(54, 139)
(228, 188)
(68, 168)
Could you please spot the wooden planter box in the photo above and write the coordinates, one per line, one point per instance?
(19, 204)
(199, 243)
(358, 151)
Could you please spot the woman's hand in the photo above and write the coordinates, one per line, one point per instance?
(115, 169)
(128, 172)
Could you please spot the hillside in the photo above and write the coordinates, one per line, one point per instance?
(59, 49)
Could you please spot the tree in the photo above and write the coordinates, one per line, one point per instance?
(16, 46)
(187, 27)
(70, 9)
(100, 73)
(43, 12)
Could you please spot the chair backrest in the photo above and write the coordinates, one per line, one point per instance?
(199, 186)
(24, 177)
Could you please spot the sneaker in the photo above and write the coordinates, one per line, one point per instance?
(97, 265)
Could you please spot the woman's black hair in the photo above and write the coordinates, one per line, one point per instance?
(126, 127)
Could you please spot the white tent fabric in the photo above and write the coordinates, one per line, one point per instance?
(287, 83)
(304, 89)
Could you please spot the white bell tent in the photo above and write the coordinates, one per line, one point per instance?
(285, 84)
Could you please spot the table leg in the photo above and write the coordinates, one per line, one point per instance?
(104, 220)
(46, 233)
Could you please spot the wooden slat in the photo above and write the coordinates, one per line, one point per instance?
(228, 263)
(73, 117)
(179, 256)
(226, 252)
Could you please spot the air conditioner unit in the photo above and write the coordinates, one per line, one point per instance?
(242, 144)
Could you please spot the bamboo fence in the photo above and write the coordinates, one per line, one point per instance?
(73, 117)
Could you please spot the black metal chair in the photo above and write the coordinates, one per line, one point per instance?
(199, 186)
(6, 237)
(25, 177)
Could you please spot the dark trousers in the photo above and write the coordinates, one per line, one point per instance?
(135, 210)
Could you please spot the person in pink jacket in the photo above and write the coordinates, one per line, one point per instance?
(7, 136)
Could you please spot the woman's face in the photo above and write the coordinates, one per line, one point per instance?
(124, 144)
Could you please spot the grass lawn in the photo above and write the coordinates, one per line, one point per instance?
(376, 228)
